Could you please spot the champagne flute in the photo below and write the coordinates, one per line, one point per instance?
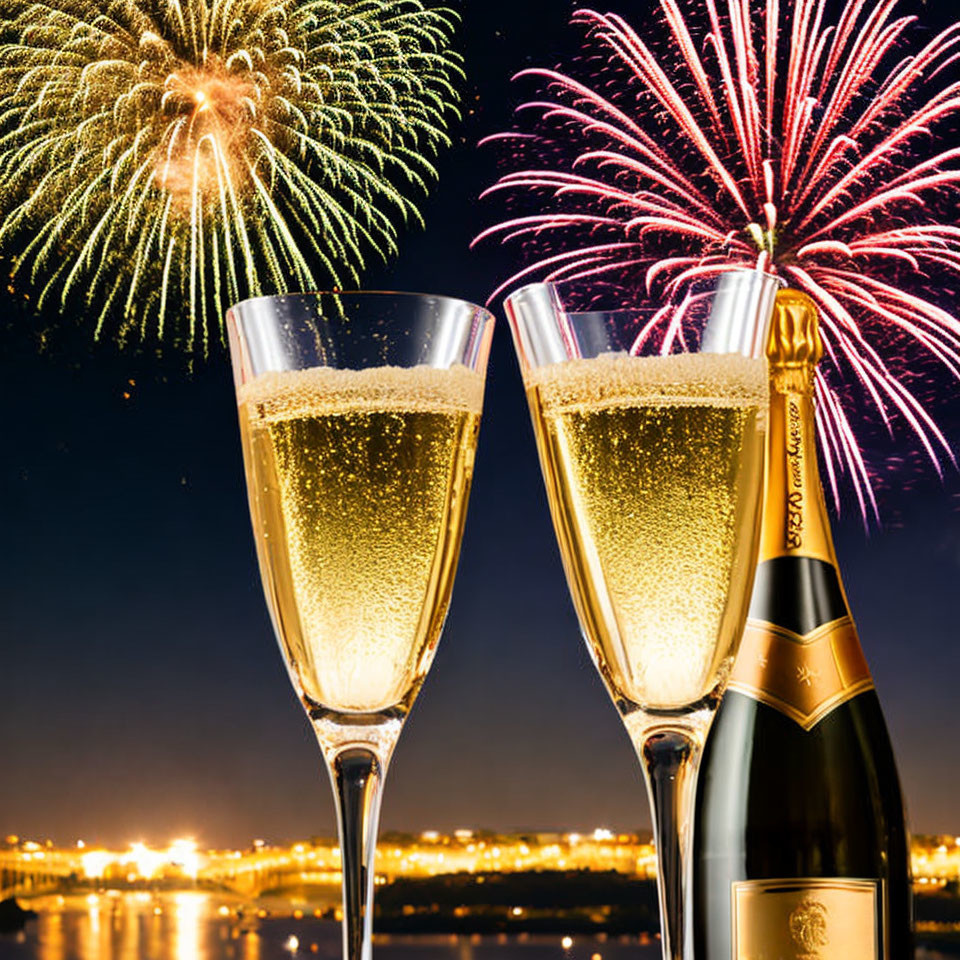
(359, 415)
(652, 450)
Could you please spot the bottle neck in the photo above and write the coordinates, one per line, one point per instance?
(800, 653)
(795, 521)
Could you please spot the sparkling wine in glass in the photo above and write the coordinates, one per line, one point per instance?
(359, 415)
(652, 450)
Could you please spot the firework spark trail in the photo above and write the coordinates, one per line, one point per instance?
(774, 137)
(160, 159)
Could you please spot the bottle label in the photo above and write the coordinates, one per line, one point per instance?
(805, 677)
(807, 919)
(794, 513)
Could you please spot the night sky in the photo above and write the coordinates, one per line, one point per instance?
(143, 695)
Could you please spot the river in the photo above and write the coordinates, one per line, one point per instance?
(202, 926)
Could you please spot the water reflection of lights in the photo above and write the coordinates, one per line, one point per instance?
(251, 946)
(153, 922)
(89, 932)
(128, 920)
(117, 925)
(189, 910)
(50, 944)
(465, 951)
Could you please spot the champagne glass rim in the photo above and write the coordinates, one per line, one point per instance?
(487, 315)
(555, 286)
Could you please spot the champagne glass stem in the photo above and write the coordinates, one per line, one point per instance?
(357, 773)
(671, 759)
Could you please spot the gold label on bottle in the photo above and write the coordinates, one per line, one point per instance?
(804, 677)
(806, 919)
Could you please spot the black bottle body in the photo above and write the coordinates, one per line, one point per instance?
(809, 812)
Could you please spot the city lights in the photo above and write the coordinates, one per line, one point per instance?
(181, 863)
(140, 862)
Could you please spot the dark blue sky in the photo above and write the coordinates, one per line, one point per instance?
(142, 691)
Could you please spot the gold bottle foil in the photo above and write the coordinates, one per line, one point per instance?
(804, 677)
(807, 919)
(794, 513)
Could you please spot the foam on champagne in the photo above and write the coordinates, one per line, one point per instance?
(291, 392)
(358, 482)
(618, 379)
(653, 468)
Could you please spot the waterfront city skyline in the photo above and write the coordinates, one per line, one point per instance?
(143, 695)
(431, 853)
(572, 888)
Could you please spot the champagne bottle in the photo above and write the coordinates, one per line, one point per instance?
(800, 846)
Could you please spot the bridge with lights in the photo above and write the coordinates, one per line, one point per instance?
(29, 868)
(34, 870)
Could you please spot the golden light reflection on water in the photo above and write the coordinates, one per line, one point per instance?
(198, 926)
(189, 910)
(90, 928)
(251, 946)
(50, 942)
(129, 941)
(140, 926)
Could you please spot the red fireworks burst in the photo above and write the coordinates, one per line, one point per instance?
(808, 145)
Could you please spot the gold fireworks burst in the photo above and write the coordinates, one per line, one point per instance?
(162, 158)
